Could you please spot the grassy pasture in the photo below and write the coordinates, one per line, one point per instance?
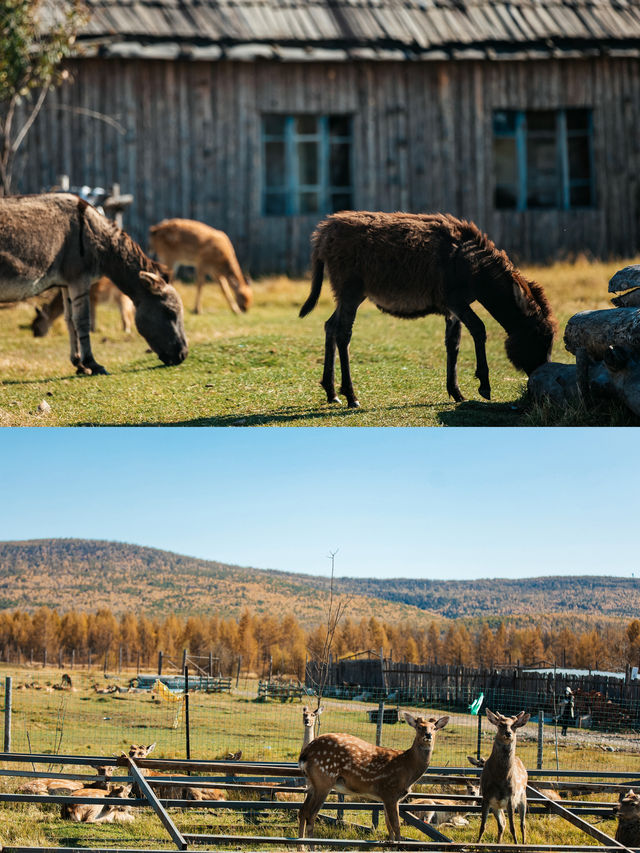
(263, 368)
(103, 725)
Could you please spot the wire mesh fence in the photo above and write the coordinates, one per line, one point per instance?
(89, 714)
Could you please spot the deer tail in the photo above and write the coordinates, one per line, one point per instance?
(316, 286)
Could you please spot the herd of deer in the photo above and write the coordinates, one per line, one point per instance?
(350, 765)
(408, 265)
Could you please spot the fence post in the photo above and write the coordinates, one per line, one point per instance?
(59, 658)
(184, 659)
(44, 659)
(89, 659)
(210, 664)
(540, 732)
(375, 815)
(479, 736)
(138, 664)
(8, 695)
(73, 658)
(159, 663)
(186, 712)
(238, 671)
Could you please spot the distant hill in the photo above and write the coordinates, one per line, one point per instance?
(87, 574)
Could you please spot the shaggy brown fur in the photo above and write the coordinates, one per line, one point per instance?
(59, 240)
(412, 265)
(628, 811)
(186, 241)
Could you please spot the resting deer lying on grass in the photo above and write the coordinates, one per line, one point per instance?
(354, 766)
(503, 782)
(170, 792)
(185, 241)
(57, 239)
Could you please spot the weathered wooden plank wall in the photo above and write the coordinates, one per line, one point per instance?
(184, 137)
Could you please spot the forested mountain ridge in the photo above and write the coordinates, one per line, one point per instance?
(86, 574)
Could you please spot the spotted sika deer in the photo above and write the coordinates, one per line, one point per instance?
(503, 782)
(628, 812)
(354, 766)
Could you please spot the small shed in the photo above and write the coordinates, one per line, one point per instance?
(262, 116)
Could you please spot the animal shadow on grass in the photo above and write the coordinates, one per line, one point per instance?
(476, 414)
(76, 378)
(288, 414)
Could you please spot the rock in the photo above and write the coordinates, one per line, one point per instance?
(596, 331)
(44, 408)
(554, 382)
(625, 279)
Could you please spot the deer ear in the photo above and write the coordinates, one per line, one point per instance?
(521, 719)
(477, 762)
(151, 747)
(409, 718)
(442, 722)
(319, 710)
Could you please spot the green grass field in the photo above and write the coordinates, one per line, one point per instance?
(263, 368)
(83, 722)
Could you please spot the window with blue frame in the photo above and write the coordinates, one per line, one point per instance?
(307, 164)
(543, 159)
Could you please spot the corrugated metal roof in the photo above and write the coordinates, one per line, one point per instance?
(342, 29)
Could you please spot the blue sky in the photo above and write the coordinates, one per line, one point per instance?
(430, 503)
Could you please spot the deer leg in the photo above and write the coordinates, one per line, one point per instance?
(200, 278)
(522, 810)
(483, 820)
(81, 321)
(392, 819)
(228, 294)
(453, 332)
(479, 334)
(346, 316)
(501, 824)
(328, 375)
(309, 810)
(511, 823)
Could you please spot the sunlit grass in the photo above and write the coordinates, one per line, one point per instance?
(263, 368)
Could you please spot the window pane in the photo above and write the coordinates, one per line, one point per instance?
(505, 161)
(306, 124)
(274, 164)
(541, 120)
(339, 164)
(506, 198)
(340, 125)
(307, 162)
(274, 125)
(542, 173)
(275, 204)
(341, 201)
(504, 122)
(578, 119)
(309, 203)
(579, 160)
(580, 196)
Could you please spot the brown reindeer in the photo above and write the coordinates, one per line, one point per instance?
(57, 239)
(185, 241)
(412, 265)
(503, 781)
(354, 766)
(549, 793)
(628, 813)
(101, 290)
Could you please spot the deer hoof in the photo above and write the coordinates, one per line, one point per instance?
(98, 370)
(353, 404)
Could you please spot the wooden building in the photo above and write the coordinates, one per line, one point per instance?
(262, 116)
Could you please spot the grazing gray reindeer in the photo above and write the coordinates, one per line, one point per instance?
(57, 239)
(354, 766)
(413, 265)
(503, 782)
(628, 812)
(309, 721)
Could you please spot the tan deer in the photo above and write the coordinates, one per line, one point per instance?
(309, 722)
(628, 812)
(171, 792)
(98, 813)
(503, 781)
(185, 241)
(102, 290)
(64, 787)
(354, 766)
